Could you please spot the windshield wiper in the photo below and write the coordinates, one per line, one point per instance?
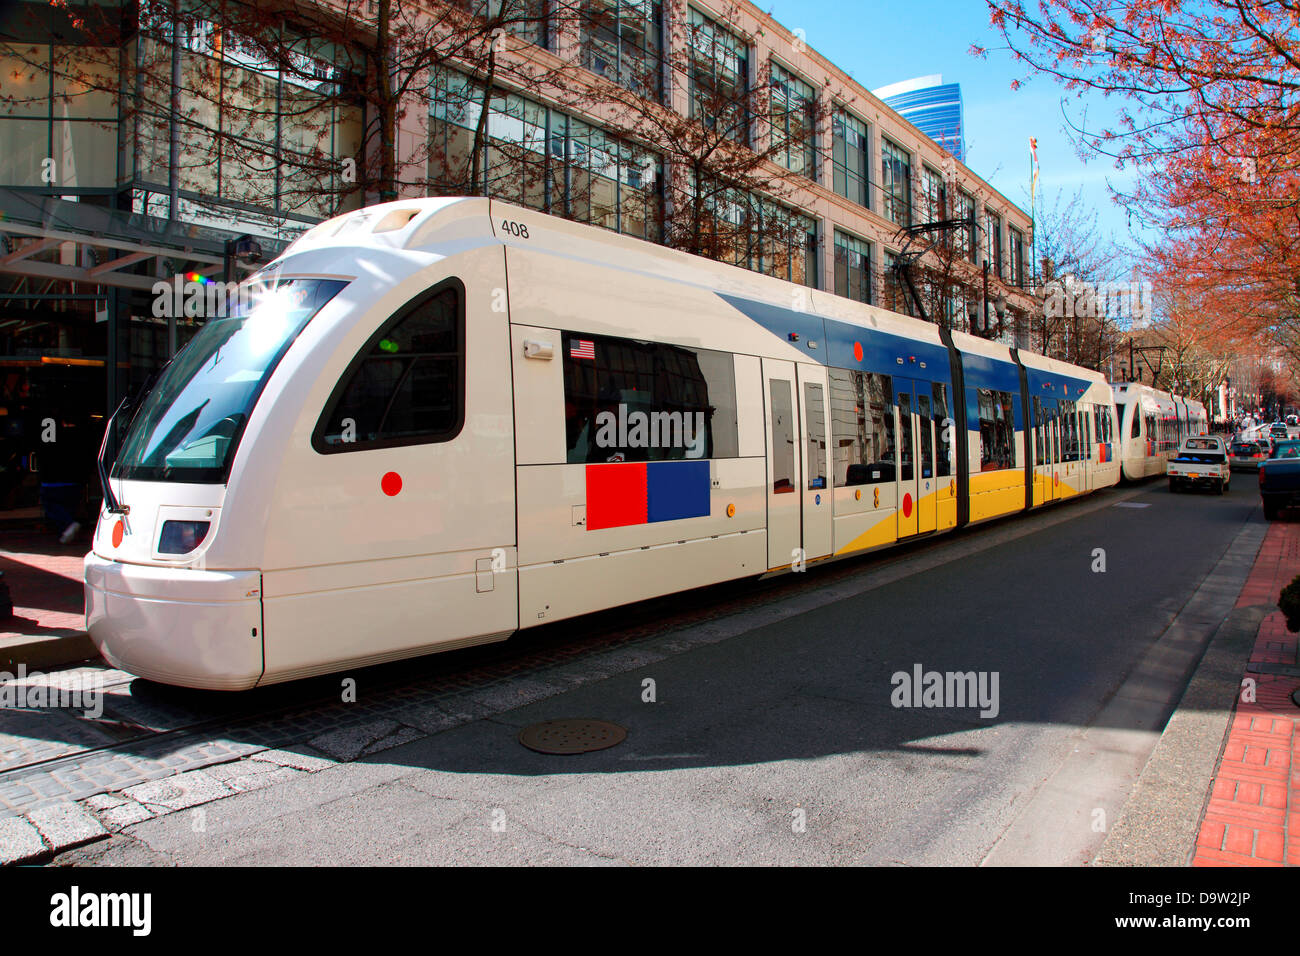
(134, 403)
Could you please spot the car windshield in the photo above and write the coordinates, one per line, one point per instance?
(189, 425)
(1287, 450)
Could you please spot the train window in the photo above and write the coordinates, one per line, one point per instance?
(905, 472)
(997, 430)
(627, 400)
(1097, 414)
(815, 409)
(406, 386)
(1085, 429)
(944, 430)
(1038, 430)
(862, 427)
(783, 477)
(1136, 430)
(927, 439)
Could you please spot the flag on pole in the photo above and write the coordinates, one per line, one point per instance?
(1033, 156)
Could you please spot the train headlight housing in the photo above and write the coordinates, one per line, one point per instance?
(182, 537)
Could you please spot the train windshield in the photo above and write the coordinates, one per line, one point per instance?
(189, 425)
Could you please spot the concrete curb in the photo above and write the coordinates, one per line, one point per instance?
(46, 652)
(1160, 822)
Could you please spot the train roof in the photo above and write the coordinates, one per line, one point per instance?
(442, 226)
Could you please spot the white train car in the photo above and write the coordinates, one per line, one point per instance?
(1152, 424)
(437, 422)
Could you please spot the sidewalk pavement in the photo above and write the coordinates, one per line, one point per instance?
(1253, 815)
(48, 625)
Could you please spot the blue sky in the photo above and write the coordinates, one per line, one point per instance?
(878, 43)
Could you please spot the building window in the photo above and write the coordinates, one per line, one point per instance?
(719, 64)
(852, 267)
(46, 113)
(525, 19)
(850, 158)
(895, 295)
(966, 244)
(647, 401)
(995, 242)
(936, 195)
(896, 183)
(541, 158)
(407, 386)
(793, 111)
(788, 249)
(622, 41)
(862, 427)
(1017, 257)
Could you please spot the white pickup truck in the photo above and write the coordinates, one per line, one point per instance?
(1201, 462)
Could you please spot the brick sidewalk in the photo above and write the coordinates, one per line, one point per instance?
(44, 583)
(1253, 817)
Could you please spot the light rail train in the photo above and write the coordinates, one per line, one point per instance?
(437, 422)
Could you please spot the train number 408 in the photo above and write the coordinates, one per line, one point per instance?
(514, 228)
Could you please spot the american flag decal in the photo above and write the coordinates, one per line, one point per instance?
(582, 349)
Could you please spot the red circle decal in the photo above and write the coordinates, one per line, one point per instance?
(907, 506)
(119, 530)
(391, 483)
(857, 351)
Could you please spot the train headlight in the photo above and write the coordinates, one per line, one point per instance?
(182, 537)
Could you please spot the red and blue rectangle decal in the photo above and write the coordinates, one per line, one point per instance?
(625, 494)
(1103, 453)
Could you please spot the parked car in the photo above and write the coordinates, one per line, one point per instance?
(1279, 478)
(1202, 462)
(1247, 454)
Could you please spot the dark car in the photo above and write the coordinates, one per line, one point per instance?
(1279, 478)
(1247, 454)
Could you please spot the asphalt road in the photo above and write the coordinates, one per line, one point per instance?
(773, 736)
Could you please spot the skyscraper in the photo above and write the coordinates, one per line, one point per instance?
(933, 107)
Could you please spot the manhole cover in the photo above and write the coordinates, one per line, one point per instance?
(571, 736)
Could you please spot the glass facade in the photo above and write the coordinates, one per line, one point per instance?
(719, 65)
(896, 183)
(540, 157)
(849, 157)
(852, 267)
(266, 135)
(794, 105)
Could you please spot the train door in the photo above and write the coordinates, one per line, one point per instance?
(1085, 447)
(926, 505)
(816, 509)
(907, 475)
(1047, 469)
(784, 514)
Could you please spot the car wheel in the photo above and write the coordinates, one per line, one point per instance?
(1270, 511)
(1173, 487)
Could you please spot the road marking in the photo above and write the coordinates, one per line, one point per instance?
(1132, 504)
